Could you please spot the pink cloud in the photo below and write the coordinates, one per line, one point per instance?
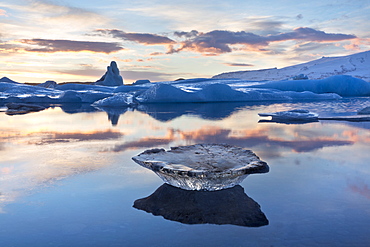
(3, 13)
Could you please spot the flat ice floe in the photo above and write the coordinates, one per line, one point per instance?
(202, 166)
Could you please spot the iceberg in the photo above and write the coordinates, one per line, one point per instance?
(207, 167)
(300, 116)
(292, 116)
(47, 84)
(112, 77)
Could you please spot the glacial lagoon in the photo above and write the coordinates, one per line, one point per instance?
(67, 177)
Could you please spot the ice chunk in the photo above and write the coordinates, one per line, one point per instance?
(140, 82)
(292, 116)
(202, 166)
(48, 84)
(228, 206)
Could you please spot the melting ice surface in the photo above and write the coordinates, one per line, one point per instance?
(207, 167)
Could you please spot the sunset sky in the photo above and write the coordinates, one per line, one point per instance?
(165, 40)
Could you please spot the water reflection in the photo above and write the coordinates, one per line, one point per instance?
(211, 111)
(228, 206)
(72, 108)
(114, 113)
(245, 138)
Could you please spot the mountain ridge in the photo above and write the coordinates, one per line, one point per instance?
(356, 65)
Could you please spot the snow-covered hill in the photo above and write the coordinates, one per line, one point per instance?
(356, 65)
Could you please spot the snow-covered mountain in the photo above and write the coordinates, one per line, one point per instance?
(356, 65)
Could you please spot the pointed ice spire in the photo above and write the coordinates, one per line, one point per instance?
(111, 77)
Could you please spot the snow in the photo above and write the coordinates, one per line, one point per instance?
(356, 65)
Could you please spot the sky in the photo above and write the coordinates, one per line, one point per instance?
(74, 41)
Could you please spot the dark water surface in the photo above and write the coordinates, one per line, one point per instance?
(67, 178)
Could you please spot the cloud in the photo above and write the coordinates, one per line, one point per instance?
(299, 17)
(50, 46)
(310, 34)
(190, 34)
(239, 64)
(142, 38)
(221, 41)
(49, 17)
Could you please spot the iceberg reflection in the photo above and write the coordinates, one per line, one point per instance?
(228, 206)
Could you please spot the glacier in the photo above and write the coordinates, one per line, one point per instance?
(199, 90)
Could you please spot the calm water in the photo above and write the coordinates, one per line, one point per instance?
(67, 178)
